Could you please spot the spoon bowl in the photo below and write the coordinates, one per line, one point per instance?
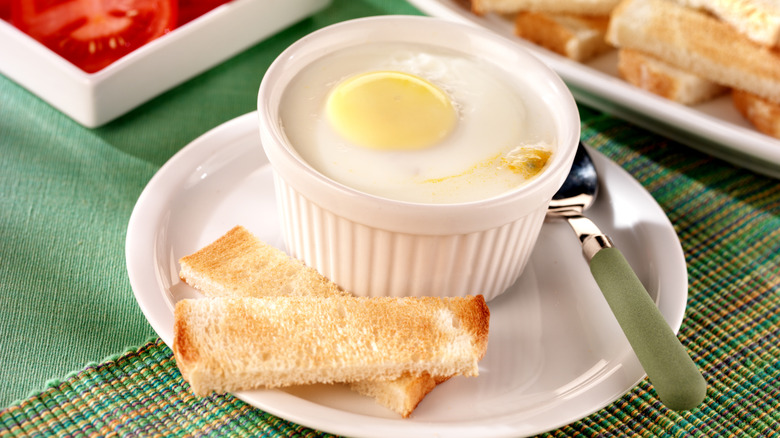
(580, 188)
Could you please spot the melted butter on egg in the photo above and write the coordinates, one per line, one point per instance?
(390, 110)
(489, 166)
(527, 161)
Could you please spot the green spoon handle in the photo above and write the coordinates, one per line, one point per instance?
(677, 381)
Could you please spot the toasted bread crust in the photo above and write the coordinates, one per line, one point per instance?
(657, 77)
(231, 266)
(240, 264)
(764, 114)
(584, 7)
(474, 317)
(229, 344)
(407, 392)
(696, 42)
(185, 351)
(578, 37)
(758, 20)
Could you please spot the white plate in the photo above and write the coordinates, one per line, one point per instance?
(714, 127)
(98, 98)
(555, 352)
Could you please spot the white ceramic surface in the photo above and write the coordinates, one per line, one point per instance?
(375, 246)
(555, 352)
(714, 127)
(96, 99)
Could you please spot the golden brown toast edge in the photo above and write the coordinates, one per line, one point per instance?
(762, 113)
(240, 242)
(562, 33)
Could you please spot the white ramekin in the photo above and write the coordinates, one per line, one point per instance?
(373, 246)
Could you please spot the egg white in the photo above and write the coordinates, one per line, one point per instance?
(495, 115)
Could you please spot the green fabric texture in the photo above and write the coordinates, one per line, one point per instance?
(78, 357)
(728, 221)
(67, 195)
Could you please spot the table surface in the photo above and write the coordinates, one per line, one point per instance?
(77, 355)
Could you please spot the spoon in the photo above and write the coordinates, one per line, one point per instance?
(677, 380)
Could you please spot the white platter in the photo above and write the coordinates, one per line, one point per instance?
(714, 127)
(97, 98)
(555, 354)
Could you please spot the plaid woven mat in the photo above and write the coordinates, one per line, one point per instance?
(728, 221)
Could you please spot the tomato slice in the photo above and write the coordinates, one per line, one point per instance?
(94, 33)
(5, 10)
(192, 9)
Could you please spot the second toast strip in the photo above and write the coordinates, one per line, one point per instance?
(240, 264)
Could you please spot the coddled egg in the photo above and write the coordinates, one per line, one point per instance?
(410, 123)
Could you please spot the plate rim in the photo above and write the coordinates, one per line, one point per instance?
(238, 128)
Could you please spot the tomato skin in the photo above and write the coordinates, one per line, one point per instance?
(5, 10)
(192, 9)
(90, 34)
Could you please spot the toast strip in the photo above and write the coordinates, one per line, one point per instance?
(758, 20)
(762, 113)
(657, 77)
(229, 344)
(696, 42)
(578, 37)
(239, 264)
(580, 7)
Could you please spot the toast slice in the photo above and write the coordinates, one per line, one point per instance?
(758, 20)
(580, 7)
(578, 37)
(238, 264)
(762, 113)
(230, 344)
(696, 42)
(658, 77)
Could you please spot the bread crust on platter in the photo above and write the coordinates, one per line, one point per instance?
(578, 37)
(758, 20)
(581, 7)
(657, 77)
(762, 113)
(696, 42)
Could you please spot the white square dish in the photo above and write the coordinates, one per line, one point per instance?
(97, 98)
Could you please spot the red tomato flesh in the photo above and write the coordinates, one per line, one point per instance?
(5, 10)
(192, 9)
(94, 33)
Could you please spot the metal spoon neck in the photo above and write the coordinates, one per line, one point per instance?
(591, 237)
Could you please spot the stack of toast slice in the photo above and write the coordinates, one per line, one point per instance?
(660, 78)
(576, 36)
(267, 320)
(687, 51)
(728, 44)
(572, 28)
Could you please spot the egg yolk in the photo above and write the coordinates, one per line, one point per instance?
(390, 110)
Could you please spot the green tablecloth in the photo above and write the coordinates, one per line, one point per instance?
(77, 356)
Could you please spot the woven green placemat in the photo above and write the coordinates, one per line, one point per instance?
(139, 393)
(728, 221)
